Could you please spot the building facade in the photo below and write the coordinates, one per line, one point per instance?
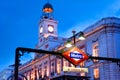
(102, 39)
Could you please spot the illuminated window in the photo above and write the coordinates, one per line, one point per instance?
(65, 63)
(40, 72)
(52, 67)
(72, 65)
(96, 74)
(82, 74)
(32, 75)
(95, 51)
(45, 70)
(82, 64)
(58, 66)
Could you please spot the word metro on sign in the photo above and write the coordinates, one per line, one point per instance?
(76, 55)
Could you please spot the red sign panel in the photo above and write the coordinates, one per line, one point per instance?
(75, 55)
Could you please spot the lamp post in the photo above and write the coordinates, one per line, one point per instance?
(74, 42)
(79, 35)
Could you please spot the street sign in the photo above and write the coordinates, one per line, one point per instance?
(73, 69)
(75, 55)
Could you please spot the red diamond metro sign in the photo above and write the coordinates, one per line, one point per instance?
(75, 55)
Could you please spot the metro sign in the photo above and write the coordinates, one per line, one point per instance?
(75, 55)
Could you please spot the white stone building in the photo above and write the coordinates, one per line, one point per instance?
(102, 39)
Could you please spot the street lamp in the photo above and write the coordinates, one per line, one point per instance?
(68, 44)
(80, 37)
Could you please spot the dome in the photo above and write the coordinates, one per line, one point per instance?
(47, 8)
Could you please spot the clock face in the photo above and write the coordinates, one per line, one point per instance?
(41, 29)
(50, 28)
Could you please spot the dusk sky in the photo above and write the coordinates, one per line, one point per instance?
(19, 21)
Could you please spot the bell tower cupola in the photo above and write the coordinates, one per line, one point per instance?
(47, 10)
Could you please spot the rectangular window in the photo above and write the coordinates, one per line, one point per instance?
(58, 66)
(96, 73)
(95, 51)
(45, 70)
(65, 63)
(52, 67)
(40, 72)
(82, 64)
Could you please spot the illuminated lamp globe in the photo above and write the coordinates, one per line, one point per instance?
(68, 44)
(47, 8)
(81, 36)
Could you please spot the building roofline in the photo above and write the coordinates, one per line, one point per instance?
(103, 21)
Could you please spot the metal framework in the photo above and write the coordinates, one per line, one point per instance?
(17, 56)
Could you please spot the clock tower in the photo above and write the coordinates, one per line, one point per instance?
(47, 29)
(47, 24)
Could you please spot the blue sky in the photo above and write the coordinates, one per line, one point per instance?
(19, 21)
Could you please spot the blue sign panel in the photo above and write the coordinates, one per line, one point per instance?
(76, 55)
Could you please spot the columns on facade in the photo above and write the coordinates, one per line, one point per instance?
(110, 42)
(35, 72)
(30, 75)
(38, 73)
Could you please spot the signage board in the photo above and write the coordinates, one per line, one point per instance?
(75, 55)
(73, 69)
